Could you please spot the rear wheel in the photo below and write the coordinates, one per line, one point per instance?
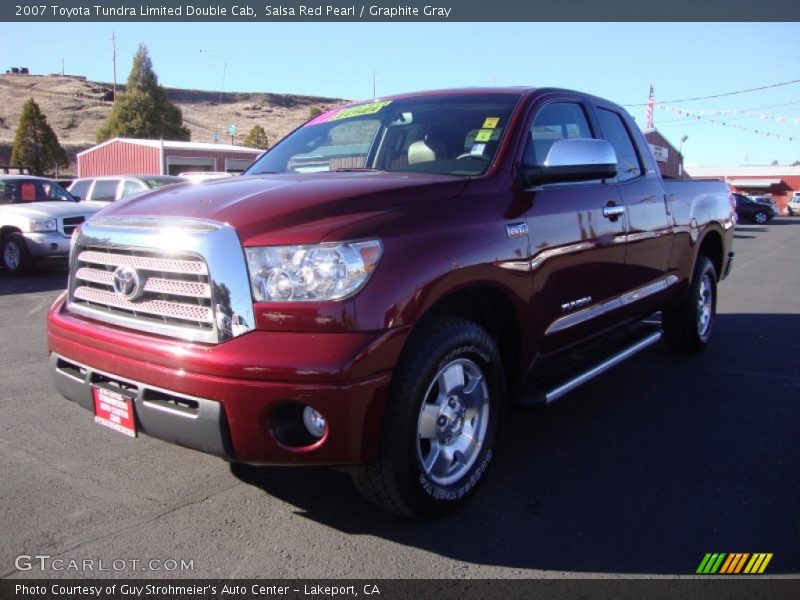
(15, 255)
(441, 422)
(761, 217)
(688, 326)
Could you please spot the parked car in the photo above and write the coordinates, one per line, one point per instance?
(110, 188)
(757, 212)
(37, 220)
(793, 206)
(460, 248)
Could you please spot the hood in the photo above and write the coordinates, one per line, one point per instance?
(304, 207)
(56, 208)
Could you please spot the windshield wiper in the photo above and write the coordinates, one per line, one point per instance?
(358, 169)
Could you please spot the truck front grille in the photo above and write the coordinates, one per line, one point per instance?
(173, 290)
(70, 224)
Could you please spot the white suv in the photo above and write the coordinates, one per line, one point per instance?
(793, 207)
(110, 188)
(37, 219)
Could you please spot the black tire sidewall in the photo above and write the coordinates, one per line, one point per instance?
(423, 495)
(24, 255)
(706, 269)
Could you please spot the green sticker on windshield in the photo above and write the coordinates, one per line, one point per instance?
(361, 109)
(484, 135)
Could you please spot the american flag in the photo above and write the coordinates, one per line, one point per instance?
(649, 117)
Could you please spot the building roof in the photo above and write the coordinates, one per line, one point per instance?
(754, 183)
(743, 171)
(175, 145)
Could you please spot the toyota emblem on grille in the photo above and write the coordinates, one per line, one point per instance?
(127, 283)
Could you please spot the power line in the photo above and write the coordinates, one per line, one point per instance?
(756, 89)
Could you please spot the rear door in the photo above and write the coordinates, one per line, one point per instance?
(577, 244)
(650, 231)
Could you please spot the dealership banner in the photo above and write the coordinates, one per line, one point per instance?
(399, 11)
(382, 589)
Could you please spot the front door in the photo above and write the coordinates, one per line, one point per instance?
(577, 237)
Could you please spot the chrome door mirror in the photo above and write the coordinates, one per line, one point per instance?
(577, 159)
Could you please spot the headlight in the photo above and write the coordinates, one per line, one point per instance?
(308, 273)
(43, 224)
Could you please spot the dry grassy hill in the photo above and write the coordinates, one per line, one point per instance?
(75, 109)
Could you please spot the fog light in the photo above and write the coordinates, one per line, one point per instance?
(314, 422)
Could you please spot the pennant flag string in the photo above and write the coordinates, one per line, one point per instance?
(706, 116)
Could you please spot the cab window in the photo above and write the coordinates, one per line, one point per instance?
(616, 133)
(129, 188)
(556, 121)
(105, 190)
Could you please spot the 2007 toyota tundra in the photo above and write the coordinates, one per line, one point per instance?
(375, 287)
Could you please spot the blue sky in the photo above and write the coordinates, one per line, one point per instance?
(616, 61)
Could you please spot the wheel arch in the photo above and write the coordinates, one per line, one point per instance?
(492, 309)
(711, 246)
(5, 230)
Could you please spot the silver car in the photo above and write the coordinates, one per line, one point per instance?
(37, 219)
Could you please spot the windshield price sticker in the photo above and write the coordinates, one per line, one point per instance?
(490, 122)
(350, 112)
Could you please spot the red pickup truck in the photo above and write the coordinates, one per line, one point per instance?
(378, 285)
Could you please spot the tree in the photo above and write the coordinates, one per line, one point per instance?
(314, 111)
(35, 143)
(143, 109)
(257, 138)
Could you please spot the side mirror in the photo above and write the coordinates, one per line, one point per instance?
(576, 159)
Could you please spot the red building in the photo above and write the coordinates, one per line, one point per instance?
(122, 156)
(778, 181)
(668, 158)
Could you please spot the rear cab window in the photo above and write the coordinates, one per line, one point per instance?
(629, 166)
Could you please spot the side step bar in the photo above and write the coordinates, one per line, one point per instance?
(539, 397)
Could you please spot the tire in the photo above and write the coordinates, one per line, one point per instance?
(760, 217)
(14, 254)
(789, 211)
(688, 326)
(440, 425)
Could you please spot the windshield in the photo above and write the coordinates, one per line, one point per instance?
(20, 191)
(453, 135)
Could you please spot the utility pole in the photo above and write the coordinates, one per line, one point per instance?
(62, 67)
(374, 78)
(114, 61)
(219, 104)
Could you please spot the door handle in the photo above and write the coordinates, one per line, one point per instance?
(613, 212)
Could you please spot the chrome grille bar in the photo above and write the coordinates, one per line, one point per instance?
(148, 263)
(158, 285)
(161, 308)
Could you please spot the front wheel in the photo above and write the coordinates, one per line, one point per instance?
(761, 217)
(688, 326)
(441, 422)
(15, 255)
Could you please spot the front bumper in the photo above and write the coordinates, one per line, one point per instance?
(51, 243)
(221, 399)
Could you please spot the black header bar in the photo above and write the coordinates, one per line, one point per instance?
(398, 11)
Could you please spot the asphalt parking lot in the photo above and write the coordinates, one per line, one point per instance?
(641, 472)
